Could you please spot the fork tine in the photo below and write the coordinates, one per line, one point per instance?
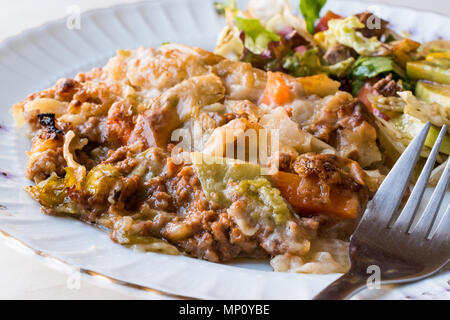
(428, 218)
(442, 225)
(388, 197)
(410, 209)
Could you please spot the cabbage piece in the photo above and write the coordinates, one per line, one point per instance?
(433, 112)
(262, 191)
(407, 126)
(224, 179)
(79, 171)
(229, 45)
(395, 135)
(343, 31)
(53, 193)
(124, 231)
(215, 174)
(290, 135)
(390, 139)
(149, 163)
(256, 36)
(276, 15)
(263, 35)
(264, 10)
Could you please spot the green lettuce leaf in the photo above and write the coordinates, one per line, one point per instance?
(303, 65)
(369, 67)
(310, 63)
(340, 69)
(343, 31)
(256, 36)
(311, 12)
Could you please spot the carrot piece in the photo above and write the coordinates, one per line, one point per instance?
(277, 90)
(306, 198)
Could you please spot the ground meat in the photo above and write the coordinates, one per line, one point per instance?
(192, 223)
(120, 123)
(215, 237)
(41, 167)
(387, 87)
(94, 129)
(66, 89)
(339, 53)
(329, 169)
(373, 25)
(284, 161)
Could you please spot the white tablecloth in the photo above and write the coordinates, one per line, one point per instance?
(24, 276)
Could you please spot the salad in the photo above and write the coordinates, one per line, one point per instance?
(402, 82)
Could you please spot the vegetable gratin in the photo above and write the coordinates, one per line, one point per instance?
(269, 147)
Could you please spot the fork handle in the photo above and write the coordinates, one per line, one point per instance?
(343, 288)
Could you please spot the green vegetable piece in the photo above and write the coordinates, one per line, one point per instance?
(357, 84)
(431, 139)
(304, 65)
(53, 193)
(262, 191)
(311, 11)
(50, 192)
(222, 178)
(441, 62)
(309, 63)
(410, 126)
(217, 173)
(433, 92)
(340, 69)
(427, 71)
(344, 31)
(256, 36)
(101, 179)
(369, 67)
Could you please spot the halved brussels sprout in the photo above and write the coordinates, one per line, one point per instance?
(101, 179)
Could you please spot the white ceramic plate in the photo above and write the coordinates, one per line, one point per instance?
(36, 58)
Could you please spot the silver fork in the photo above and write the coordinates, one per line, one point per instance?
(404, 247)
